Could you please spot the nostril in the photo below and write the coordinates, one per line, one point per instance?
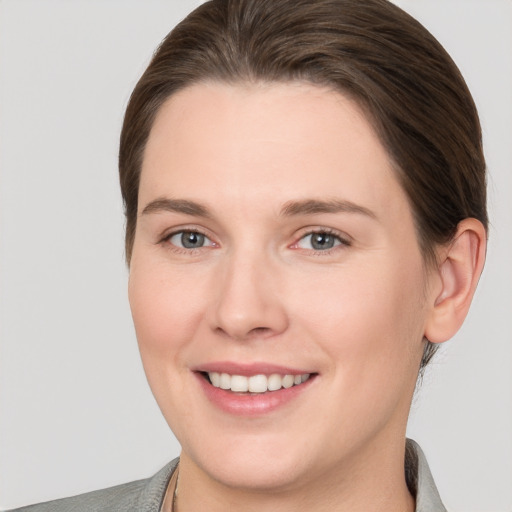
(256, 332)
(259, 333)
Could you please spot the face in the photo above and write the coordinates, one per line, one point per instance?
(275, 256)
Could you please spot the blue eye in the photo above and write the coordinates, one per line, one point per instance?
(190, 240)
(320, 241)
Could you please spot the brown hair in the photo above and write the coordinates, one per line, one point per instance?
(409, 87)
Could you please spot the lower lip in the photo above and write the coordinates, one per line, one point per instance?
(245, 404)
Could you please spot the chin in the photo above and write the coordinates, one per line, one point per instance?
(256, 473)
(257, 464)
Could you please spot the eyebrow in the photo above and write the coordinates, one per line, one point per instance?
(315, 206)
(176, 205)
(291, 208)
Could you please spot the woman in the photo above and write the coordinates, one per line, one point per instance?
(304, 187)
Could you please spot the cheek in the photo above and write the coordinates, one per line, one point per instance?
(369, 325)
(368, 318)
(167, 308)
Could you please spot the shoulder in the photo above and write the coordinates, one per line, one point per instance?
(139, 496)
(420, 480)
(120, 497)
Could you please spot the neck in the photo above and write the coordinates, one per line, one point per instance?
(375, 483)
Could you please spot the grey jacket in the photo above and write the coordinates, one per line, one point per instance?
(148, 495)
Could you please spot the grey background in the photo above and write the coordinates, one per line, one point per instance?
(75, 411)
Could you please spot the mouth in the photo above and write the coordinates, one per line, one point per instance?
(255, 384)
(252, 389)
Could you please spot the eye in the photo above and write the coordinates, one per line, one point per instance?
(189, 240)
(320, 241)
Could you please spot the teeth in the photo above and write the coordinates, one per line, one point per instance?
(256, 383)
(288, 381)
(239, 383)
(275, 382)
(215, 378)
(224, 381)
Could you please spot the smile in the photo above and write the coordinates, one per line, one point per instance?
(253, 389)
(256, 383)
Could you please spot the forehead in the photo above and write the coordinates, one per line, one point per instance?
(266, 143)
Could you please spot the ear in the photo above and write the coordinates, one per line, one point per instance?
(460, 264)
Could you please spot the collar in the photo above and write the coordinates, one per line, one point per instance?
(420, 480)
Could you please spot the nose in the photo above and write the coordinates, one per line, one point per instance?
(249, 300)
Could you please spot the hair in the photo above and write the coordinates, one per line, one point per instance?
(405, 82)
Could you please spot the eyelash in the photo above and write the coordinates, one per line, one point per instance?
(166, 239)
(343, 241)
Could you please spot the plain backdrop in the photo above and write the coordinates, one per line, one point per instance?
(75, 411)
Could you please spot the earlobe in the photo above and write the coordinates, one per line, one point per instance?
(459, 270)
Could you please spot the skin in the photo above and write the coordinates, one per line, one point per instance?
(257, 291)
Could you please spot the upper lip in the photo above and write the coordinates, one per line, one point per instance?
(248, 369)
